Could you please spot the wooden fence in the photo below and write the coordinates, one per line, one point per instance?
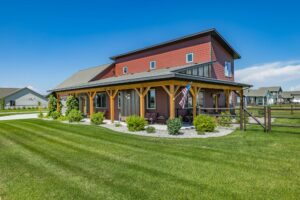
(264, 116)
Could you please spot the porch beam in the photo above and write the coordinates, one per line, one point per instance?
(194, 93)
(163, 84)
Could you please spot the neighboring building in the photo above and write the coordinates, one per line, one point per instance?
(289, 97)
(147, 81)
(21, 97)
(263, 96)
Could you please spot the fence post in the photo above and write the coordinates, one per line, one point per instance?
(244, 120)
(265, 118)
(269, 119)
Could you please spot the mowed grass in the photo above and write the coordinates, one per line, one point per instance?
(51, 160)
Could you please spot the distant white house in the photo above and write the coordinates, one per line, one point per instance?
(21, 98)
(263, 96)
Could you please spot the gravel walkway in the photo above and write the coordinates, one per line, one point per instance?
(161, 130)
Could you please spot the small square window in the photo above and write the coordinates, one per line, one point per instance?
(125, 70)
(152, 65)
(189, 58)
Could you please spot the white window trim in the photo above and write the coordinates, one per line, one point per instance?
(105, 100)
(148, 100)
(186, 58)
(125, 67)
(150, 66)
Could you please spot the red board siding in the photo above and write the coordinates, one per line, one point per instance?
(169, 56)
(220, 55)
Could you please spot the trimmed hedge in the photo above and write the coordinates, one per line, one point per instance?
(204, 123)
(136, 123)
(97, 118)
(75, 116)
(174, 125)
(225, 120)
(150, 129)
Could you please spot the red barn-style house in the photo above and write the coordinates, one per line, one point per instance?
(148, 81)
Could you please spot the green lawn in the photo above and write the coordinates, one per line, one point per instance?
(51, 160)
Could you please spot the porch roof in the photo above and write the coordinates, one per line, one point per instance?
(153, 75)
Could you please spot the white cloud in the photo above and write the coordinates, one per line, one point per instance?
(285, 74)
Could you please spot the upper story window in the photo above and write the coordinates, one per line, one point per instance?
(203, 70)
(151, 99)
(101, 100)
(152, 65)
(228, 69)
(189, 57)
(125, 70)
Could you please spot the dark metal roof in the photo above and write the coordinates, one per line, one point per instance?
(4, 92)
(213, 32)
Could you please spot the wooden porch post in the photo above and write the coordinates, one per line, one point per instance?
(112, 94)
(194, 92)
(91, 99)
(142, 93)
(241, 110)
(171, 92)
(227, 96)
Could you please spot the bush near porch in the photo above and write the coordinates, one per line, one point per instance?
(136, 123)
(204, 123)
(174, 126)
(97, 118)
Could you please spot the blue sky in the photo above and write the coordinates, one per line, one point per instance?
(44, 42)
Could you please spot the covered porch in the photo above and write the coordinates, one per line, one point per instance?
(157, 100)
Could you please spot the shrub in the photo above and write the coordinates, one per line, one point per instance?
(51, 105)
(237, 118)
(174, 125)
(135, 123)
(204, 123)
(261, 112)
(225, 120)
(2, 104)
(40, 115)
(118, 124)
(97, 118)
(72, 104)
(75, 116)
(62, 118)
(150, 129)
(55, 115)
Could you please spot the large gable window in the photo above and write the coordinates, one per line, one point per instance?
(151, 99)
(228, 69)
(101, 100)
(189, 57)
